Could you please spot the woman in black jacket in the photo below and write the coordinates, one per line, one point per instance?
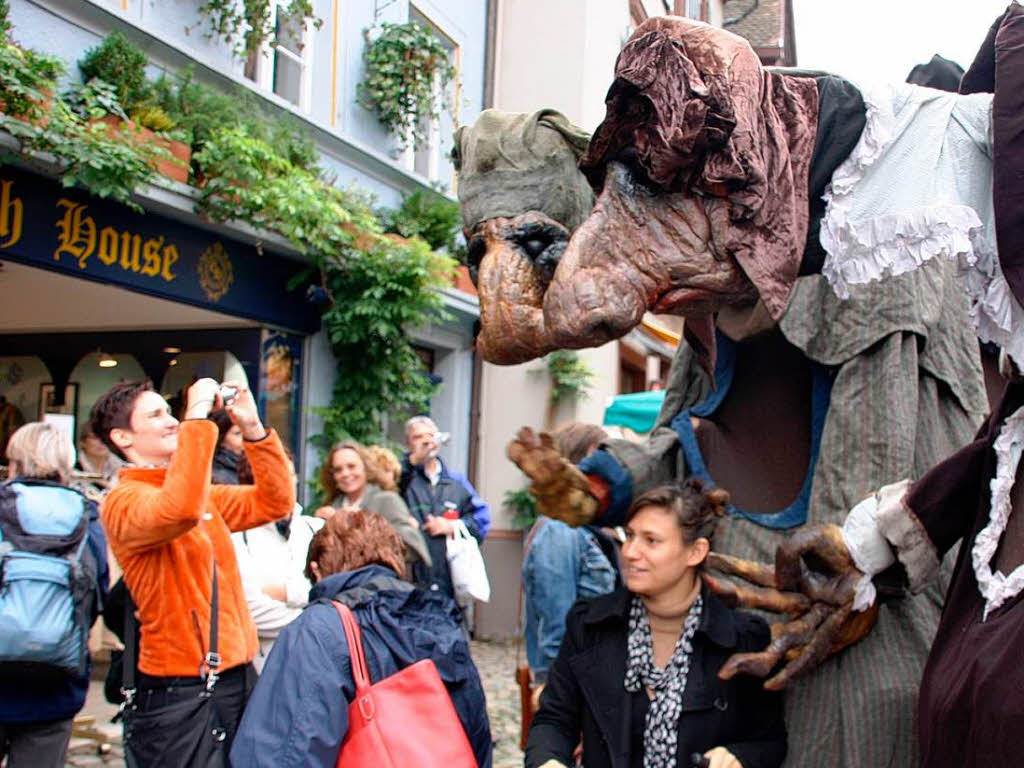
(637, 672)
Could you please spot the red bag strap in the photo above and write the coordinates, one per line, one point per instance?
(355, 647)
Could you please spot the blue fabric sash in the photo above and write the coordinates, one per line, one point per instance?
(821, 388)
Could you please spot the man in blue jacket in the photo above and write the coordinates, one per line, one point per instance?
(435, 494)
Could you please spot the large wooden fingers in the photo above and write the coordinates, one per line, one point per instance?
(761, 574)
(818, 548)
(855, 628)
(816, 651)
(785, 636)
(560, 488)
(760, 598)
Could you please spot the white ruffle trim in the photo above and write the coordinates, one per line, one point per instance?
(996, 587)
(997, 315)
(861, 252)
(874, 139)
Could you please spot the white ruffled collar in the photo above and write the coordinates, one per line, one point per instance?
(895, 238)
(994, 586)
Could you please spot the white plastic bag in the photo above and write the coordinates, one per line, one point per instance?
(469, 576)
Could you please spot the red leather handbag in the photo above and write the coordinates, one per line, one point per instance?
(404, 720)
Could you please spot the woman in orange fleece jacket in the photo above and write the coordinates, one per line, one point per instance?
(167, 527)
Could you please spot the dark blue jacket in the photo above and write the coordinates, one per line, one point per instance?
(59, 697)
(298, 713)
(453, 491)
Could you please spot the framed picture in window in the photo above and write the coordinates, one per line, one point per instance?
(48, 400)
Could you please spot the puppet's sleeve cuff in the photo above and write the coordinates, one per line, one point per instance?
(881, 529)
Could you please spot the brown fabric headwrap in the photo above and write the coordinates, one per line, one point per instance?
(694, 104)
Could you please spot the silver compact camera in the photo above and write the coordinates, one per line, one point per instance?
(227, 394)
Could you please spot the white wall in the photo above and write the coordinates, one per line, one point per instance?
(560, 54)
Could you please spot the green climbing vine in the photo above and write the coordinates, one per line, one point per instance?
(377, 286)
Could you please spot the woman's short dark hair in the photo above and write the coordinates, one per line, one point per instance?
(222, 419)
(114, 409)
(351, 540)
(695, 509)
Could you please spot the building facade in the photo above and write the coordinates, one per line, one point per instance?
(93, 292)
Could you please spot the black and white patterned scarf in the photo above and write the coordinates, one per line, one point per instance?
(661, 728)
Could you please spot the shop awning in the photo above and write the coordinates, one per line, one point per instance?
(637, 411)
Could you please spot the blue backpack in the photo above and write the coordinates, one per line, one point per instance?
(48, 579)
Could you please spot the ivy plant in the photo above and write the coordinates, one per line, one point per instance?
(570, 376)
(248, 24)
(523, 505)
(377, 286)
(403, 64)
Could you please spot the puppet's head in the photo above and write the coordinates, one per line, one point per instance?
(700, 176)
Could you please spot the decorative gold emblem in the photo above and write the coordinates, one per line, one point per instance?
(215, 273)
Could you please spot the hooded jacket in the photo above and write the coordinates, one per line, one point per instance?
(298, 713)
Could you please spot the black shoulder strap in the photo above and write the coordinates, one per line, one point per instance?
(131, 631)
(131, 653)
(213, 658)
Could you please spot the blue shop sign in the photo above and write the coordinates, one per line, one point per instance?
(67, 230)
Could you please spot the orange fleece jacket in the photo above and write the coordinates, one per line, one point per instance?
(167, 526)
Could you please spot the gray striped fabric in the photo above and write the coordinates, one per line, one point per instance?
(907, 392)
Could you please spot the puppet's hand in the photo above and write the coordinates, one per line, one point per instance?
(560, 488)
(815, 580)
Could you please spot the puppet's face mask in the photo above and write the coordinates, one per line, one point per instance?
(557, 269)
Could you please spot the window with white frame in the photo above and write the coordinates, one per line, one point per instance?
(427, 158)
(283, 64)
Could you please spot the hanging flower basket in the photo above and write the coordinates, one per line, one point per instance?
(407, 74)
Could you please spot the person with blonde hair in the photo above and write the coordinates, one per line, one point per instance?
(41, 517)
(387, 468)
(349, 480)
(298, 713)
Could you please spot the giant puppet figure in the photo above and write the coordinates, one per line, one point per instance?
(755, 203)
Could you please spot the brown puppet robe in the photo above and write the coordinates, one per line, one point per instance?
(971, 710)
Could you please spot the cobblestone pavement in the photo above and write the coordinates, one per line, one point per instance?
(496, 662)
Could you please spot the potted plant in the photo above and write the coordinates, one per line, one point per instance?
(120, 64)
